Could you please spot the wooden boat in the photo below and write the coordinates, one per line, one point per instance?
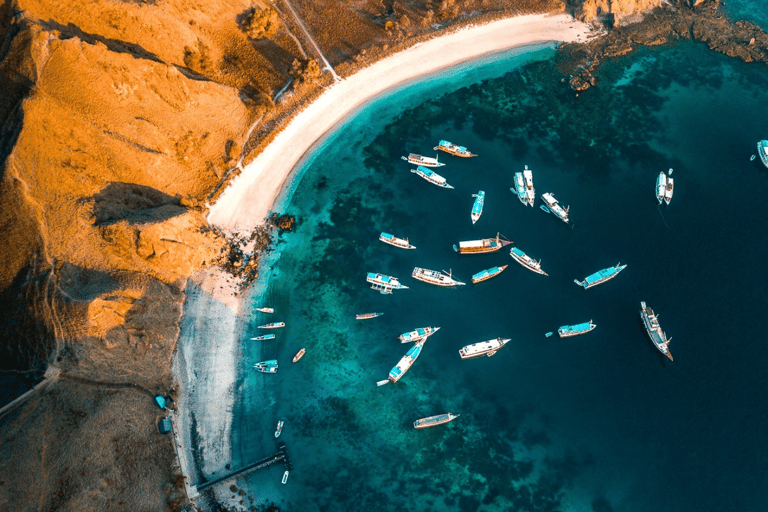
(453, 149)
(366, 316)
(426, 161)
(600, 276)
(487, 274)
(264, 337)
(553, 207)
(431, 176)
(433, 421)
(567, 331)
(652, 327)
(526, 261)
(383, 283)
(481, 246)
(661, 187)
(484, 348)
(435, 277)
(265, 310)
(299, 355)
(273, 325)
(670, 188)
(420, 334)
(397, 242)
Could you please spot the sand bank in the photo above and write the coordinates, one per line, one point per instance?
(249, 197)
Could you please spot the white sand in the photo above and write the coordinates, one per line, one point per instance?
(249, 197)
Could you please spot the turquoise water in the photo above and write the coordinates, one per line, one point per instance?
(755, 11)
(597, 422)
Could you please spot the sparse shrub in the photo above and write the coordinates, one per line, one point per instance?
(259, 23)
(198, 59)
(389, 25)
(305, 71)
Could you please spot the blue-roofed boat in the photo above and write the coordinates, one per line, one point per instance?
(600, 276)
(524, 187)
(266, 366)
(762, 151)
(526, 261)
(431, 176)
(487, 274)
(264, 337)
(661, 187)
(402, 367)
(435, 277)
(397, 242)
(426, 161)
(477, 208)
(553, 207)
(272, 325)
(453, 149)
(481, 246)
(433, 421)
(420, 334)
(652, 327)
(384, 284)
(567, 331)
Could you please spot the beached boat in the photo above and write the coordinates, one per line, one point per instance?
(484, 348)
(526, 261)
(285, 477)
(487, 274)
(600, 276)
(426, 161)
(651, 323)
(420, 334)
(431, 176)
(435, 277)
(279, 428)
(400, 369)
(265, 310)
(477, 208)
(266, 366)
(762, 150)
(670, 188)
(397, 242)
(366, 316)
(553, 207)
(384, 284)
(433, 421)
(273, 325)
(481, 246)
(524, 187)
(453, 149)
(567, 331)
(299, 355)
(264, 337)
(661, 187)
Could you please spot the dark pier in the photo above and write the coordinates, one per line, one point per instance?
(281, 455)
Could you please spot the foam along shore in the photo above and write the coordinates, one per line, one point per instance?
(248, 199)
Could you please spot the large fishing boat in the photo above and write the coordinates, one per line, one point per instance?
(435, 277)
(273, 325)
(481, 246)
(526, 261)
(567, 331)
(279, 428)
(487, 274)
(484, 348)
(426, 161)
(420, 334)
(477, 208)
(670, 188)
(651, 323)
(397, 242)
(762, 150)
(551, 205)
(266, 366)
(400, 369)
(431, 176)
(366, 316)
(600, 276)
(433, 421)
(264, 337)
(453, 149)
(299, 355)
(384, 284)
(265, 310)
(661, 187)
(524, 187)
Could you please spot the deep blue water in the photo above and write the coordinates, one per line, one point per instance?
(598, 422)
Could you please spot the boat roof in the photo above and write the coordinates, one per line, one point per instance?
(415, 350)
(578, 327)
(426, 170)
(395, 371)
(601, 274)
(518, 252)
(386, 235)
(471, 243)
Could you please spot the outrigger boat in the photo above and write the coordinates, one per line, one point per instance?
(481, 246)
(426, 161)
(400, 369)
(420, 334)
(433, 421)
(551, 205)
(670, 188)
(567, 331)
(487, 274)
(762, 151)
(273, 325)
(453, 149)
(279, 428)
(366, 316)
(435, 277)
(384, 284)
(600, 276)
(524, 187)
(431, 176)
(477, 208)
(397, 242)
(651, 323)
(484, 348)
(266, 366)
(299, 355)
(661, 187)
(264, 337)
(526, 261)
(265, 310)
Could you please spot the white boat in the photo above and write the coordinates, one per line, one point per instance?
(265, 310)
(400, 369)
(266, 366)
(264, 337)
(477, 208)
(279, 428)
(524, 187)
(431, 176)
(652, 327)
(670, 188)
(435, 277)
(426, 161)
(600, 276)
(762, 150)
(299, 355)
(366, 316)
(419, 334)
(433, 421)
(384, 284)
(553, 207)
(567, 331)
(397, 242)
(526, 261)
(273, 325)
(484, 348)
(285, 477)
(453, 149)
(661, 187)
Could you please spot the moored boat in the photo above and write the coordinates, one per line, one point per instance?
(299, 355)
(273, 325)
(426, 161)
(400, 369)
(266, 366)
(481, 246)
(553, 207)
(384, 284)
(487, 274)
(431, 176)
(762, 150)
(600, 276)
(433, 421)
(661, 187)
(526, 261)
(567, 331)
(366, 316)
(420, 334)
(264, 337)
(285, 477)
(397, 242)
(484, 348)
(652, 327)
(279, 428)
(453, 149)
(477, 208)
(265, 310)
(670, 188)
(435, 277)
(524, 187)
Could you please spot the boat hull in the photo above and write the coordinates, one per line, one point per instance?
(299, 355)
(433, 421)
(567, 332)
(487, 274)
(435, 278)
(527, 262)
(484, 348)
(653, 329)
(602, 276)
